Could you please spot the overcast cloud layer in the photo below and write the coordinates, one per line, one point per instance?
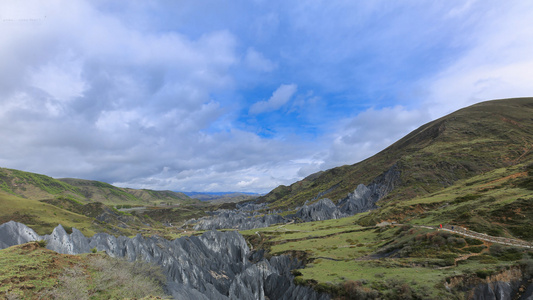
(241, 95)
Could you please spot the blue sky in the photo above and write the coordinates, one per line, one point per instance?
(242, 95)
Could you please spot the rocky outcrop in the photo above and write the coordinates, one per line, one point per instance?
(13, 233)
(237, 220)
(324, 209)
(363, 199)
(507, 284)
(215, 265)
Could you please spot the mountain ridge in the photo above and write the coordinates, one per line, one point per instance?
(467, 142)
(42, 187)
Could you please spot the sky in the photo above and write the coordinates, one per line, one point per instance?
(242, 95)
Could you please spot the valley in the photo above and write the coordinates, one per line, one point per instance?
(363, 231)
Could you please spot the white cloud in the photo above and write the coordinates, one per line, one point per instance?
(151, 95)
(257, 61)
(370, 132)
(281, 96)
(87, 96)
(62, 81)
(498, 64)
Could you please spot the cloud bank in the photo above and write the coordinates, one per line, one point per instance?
(243, 96)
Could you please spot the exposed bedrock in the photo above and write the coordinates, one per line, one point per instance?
(215, 265)
(237, 220)
(363, 199)
(508, 284)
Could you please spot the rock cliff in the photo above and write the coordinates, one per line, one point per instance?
(507, 284)
(215, 265)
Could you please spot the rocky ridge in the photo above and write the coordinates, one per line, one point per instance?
(362, 199)
(215, 265)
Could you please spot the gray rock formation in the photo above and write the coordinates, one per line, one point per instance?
(237, 220)
(216, 265)
(495, 291)
(13, 233)
(361, 200)
(364, 198)
(324, 209)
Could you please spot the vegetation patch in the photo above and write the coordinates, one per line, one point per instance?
(30, 271)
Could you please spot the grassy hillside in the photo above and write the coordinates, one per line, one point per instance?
(42, 217)
(30, 271)
(109, 194)
(497, 203)
(40, 187)
(412, 258)
(466, 143)
(34, 186)
(471, 169)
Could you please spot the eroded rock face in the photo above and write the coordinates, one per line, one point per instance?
(13, 233)
(215, 265)
(238, 220)
(363, 199)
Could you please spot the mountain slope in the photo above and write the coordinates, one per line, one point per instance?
(468, 142)
(41, 187)
(107, 193)
(43, 217)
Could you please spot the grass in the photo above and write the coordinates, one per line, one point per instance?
(486, 203)
(30, 271)
(34, 186)
(42, 217)
(466, 143)
(41, 187)
(343, 254)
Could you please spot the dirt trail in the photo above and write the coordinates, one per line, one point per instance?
(481, 236)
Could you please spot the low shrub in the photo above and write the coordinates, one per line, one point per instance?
(356, 290)
(111, 278)
(473, 242)
(506, 253)
(475, 249)
(484, 273)
(466, 198)
(484, 259)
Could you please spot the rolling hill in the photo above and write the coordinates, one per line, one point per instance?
(471, 171)
(469, 142)
(40, 187)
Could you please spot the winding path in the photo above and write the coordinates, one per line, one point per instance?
(484, 237)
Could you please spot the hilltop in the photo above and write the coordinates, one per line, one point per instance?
(39, 187)
(43, 202)
(469, 142)
(471, 171)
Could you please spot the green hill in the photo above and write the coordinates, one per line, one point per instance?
(43, 202)
(42, 187)
(466, 143)
(109, 194)
(472, 169)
